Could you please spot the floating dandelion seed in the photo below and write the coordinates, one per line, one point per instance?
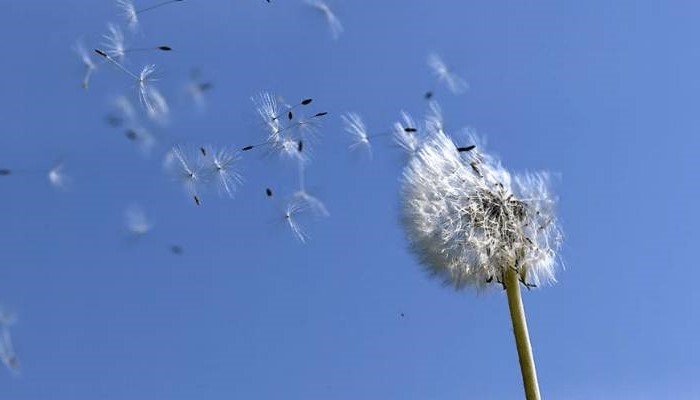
(268, 110)
(454, 82)
(334, 25)
(311, 202)
(405, 134)
(145, 140)
(136, 221)
(196, 89)
(58, 177)
(221, 165)
(88, 64)
(292, 211)
(356, 127)
(130, 13)
(470, 222)
(150, 97)
(7, 351)
(187, 169)
(7, 317)
(176, 249)
(114, 46)
(268, 192)
(5, 172)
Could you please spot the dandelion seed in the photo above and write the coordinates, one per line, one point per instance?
(454, 82)
(292, 211)
(5, 172)
(268, 192)
(466, 148)
(58, 177)
(7, 351)
(150, 97)
(196, 89)
(88, 64)
(140, 49)
(129, 12)
(7, 317)
(136, 221)
(268, 110)
(114, 46)
(334, 25)
(221, 166)
(405, 134)
(145, 140)
(315, 205)
(176, 249)
(356, 127)
(187, 170)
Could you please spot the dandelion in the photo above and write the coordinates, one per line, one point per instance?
(471, 223)
(221, 165)
(7, 351)
(57, 176)
(88, 64)
(136, 221)
(334, 25)
(356, 128)
(454, 82)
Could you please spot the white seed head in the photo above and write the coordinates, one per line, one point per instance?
(293, 209)
(467, 220)
(269, 112)
(187, 168)
(454, 82)
(151, 98)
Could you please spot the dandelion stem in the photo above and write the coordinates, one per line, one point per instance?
(522, 338)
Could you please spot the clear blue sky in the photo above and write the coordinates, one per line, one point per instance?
(606, 95)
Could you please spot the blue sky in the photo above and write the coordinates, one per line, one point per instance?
(604, 95)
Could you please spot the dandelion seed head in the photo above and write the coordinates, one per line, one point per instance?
(468, 220)
(268, 109)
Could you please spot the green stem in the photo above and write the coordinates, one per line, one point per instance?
(522, 338)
